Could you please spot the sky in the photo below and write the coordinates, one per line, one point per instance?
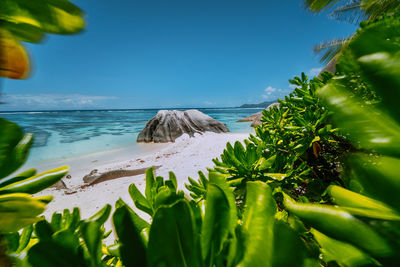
(175, 53)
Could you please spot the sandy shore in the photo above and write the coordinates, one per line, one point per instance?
(185, 158)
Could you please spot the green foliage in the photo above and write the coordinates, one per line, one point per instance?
(65, 240)
(295, 147)
(18, 209)
(279, 199)
(372, 213)
(157, 192)
(29, 21)
(181, 235)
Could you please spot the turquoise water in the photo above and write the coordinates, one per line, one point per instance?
(63, 134)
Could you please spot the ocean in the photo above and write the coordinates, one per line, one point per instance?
(65, 134)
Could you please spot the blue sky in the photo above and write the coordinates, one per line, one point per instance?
(175, 53)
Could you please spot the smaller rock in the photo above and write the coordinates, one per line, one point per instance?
(256, 117)
(252, 117)
(60, 185)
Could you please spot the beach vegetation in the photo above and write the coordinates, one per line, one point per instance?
(316, 185)
(296, 148)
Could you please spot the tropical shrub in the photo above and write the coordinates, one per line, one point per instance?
(18, 209)
(25, 21)
(295, 148)
(209, 233)
(372, 209)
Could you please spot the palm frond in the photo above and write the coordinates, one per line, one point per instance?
(377, 8)
(320, 5)
(350, 12)
(330, 49)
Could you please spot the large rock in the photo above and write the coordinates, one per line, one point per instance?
(256, 117)
(168, 125)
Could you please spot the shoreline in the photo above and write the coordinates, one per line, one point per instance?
(185, 157)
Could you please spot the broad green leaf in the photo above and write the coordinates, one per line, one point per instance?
(60, 256)
(383, 72)
(44, 230)
(92, 235)
(340, 225)
(102, 215)
(343, 253)
(215, 227)
(19, 177)
(276, 176)
(286, 242)
(25, 238)
(68, 239)
(52, 16)
(150, 183)
(173, 239)
(139, 200)
(132, 249)
(12, 241)
(36, 183)
(24, 32)
(378, 176)
(369, 127)
(14, 147)
(360, 205)
(139, 223)
(172, 178)
(18, 210)
(258, 225)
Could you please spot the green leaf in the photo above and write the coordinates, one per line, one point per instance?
(139, 200)
(360, 205)
(36, 183)
(172, 178)
(25, 238)
(378, 176)
(92, 235)
(18, 210)
(367, 126)
(52, 16)
(60, 256)
(276, 176)
(383, 72)
(44, 230)
(215, 227)
(19, 177)
(12, 241)
(102, 215)
(340, 225)
(286, 242)
(150, 183)
(132, 248)
(14, 147)
(174, 225)
(343, 253)
(24, 32)
(258, 225)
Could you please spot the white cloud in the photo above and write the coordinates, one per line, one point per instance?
(292, 86)
(272, 93)
(314, 71)
(49, 101)
(269, 90)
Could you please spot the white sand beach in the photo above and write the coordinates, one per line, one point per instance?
(185, 157)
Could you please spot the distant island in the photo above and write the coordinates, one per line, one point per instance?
(260, 105)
